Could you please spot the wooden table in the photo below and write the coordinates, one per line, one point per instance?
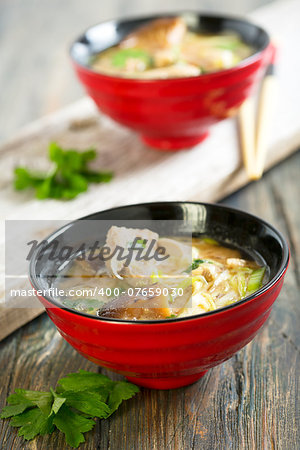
(248, 402)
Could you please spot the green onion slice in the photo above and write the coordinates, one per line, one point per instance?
(255, 280)
(120, 57)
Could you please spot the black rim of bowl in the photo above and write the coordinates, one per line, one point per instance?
(242, 63)
(284, 263)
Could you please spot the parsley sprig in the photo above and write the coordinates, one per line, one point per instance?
(71, 408)
(70, 175)
(195, 264)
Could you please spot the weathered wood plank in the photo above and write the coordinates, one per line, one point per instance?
(13, 318)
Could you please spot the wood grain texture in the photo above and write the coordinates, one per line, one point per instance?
(249, 402)
(13, 318)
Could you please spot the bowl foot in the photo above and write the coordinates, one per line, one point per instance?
(166, 383)
(173, 143)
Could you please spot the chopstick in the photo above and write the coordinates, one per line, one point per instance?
(254, 137)
(246, 120)
(267, 102)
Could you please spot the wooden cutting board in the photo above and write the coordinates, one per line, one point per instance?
(207, 172)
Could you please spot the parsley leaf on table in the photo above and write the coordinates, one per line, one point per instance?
(69, 177)
(88, 403)
(72, 425)
(84, 380)
(121, 391)
(32, 423)
(14, 410)
(31, 398)
(57, 402)
(71, 408)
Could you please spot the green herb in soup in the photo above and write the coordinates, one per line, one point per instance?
(180, 277)
(165, 48)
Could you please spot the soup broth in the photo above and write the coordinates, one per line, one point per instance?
(165, 48)
(188, 278)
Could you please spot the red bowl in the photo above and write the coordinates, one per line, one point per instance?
(174, 113)
(171, 353)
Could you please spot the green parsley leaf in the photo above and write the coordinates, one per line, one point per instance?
(46, 189)
(84, 380)
(88, 403)
(41, 399)
(88, 155)
(55, 153)
(14, 410)
(195, 264)
(25, 179)
(58, 402)
(97, 177)
(32, 423)
(171, 316)
(121, 391)
(69, 177)
(72, 425)
(141, 242)
(78, 399)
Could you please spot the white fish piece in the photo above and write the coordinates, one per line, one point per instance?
(235, 262)
(124, 237)
(180, 256)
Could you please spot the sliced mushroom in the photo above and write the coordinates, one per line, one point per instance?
(156, 304)
(139, 307)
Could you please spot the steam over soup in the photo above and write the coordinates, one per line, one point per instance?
(139, 275)
(165, 48)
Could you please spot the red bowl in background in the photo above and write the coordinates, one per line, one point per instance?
(171, 353)
(171, 114)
